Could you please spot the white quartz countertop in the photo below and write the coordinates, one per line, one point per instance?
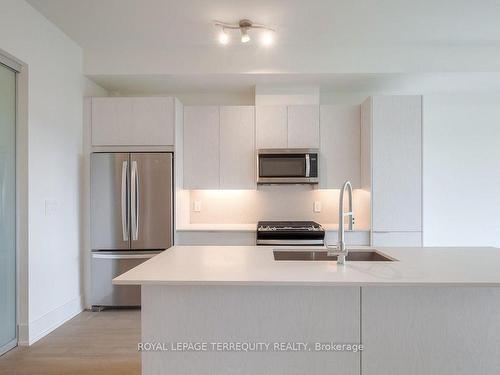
(252, 265)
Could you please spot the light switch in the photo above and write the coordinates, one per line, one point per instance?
(197, 206)
(317, 206)
(50, 207)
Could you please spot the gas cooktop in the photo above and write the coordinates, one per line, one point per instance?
(290, 233)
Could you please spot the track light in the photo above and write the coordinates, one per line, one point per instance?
(223, 37)
(245, 38)
(267, 38)
(244, 27)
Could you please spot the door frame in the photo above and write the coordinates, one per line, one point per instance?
(7, 63)
(21, 192)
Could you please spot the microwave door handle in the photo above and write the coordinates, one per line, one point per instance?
(308, 166)
(124, 202)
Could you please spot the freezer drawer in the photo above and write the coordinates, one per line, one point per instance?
(105, 266)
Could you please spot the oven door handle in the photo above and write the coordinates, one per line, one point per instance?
(308, 166)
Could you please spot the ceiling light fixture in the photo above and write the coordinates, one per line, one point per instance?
(244, 26)
(244, 35)
(223, 37)
(267, 38)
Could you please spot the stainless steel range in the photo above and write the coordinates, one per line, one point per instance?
(290, 233)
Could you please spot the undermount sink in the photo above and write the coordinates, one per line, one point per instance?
(322, 255)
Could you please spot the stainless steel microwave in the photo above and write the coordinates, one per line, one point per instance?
(287, 166)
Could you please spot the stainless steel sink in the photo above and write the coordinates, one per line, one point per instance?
(322, 255)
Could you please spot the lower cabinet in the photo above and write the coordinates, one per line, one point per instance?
(251, 314)
(215, 238)
(410, 330)
(430, 330)
(405, 239)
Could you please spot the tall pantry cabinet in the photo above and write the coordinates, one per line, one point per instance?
(391, 168)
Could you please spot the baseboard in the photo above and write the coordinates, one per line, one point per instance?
(5, 348)
(53, 319)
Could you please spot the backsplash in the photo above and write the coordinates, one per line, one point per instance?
(294, 202)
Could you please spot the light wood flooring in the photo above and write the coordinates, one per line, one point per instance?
(92, 343)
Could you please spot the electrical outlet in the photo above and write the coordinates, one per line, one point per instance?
(197, 206)
(317, 206)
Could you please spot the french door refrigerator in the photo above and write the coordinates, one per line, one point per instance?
(131, 219)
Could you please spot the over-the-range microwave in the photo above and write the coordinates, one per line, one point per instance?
(287, 166)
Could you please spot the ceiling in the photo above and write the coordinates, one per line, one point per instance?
(100, 24)
(163, 46)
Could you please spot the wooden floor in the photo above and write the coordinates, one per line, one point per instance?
(91, 343)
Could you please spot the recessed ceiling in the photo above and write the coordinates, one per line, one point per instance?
(328, 83)
(146, 24)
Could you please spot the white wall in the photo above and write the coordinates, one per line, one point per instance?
(53, 135)
(461, 169)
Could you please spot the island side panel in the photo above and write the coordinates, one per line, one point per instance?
(430, 330)
(250, 314)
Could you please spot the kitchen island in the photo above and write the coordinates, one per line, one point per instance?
(430, 311)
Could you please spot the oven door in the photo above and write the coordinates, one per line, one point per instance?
(287, 166)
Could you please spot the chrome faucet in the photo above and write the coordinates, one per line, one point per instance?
(340, 250)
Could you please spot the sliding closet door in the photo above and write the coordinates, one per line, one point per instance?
(8, 337)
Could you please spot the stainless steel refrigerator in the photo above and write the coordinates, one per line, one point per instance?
(131, 219)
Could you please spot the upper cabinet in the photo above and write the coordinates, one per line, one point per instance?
(219, 147)
(284, 126)
(128, 121)
(303, 126)
(271, 122)
(340, 146)
(201, 147)
(394, 124)
(237, 147)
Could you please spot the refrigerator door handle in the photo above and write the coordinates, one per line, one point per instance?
(124, 202)
(124, 256)
(135, 201)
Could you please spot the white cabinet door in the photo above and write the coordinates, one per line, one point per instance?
(397, 163)
(303, 126)
(201, 147)
(271, 122)
(237, 147)
(111, 121)
(340, 146)
(390, 239)
(366, 145)
(133, 121)
(430, 330)
(153, 121)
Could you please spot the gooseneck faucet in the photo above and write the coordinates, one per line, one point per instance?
(341, 250)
